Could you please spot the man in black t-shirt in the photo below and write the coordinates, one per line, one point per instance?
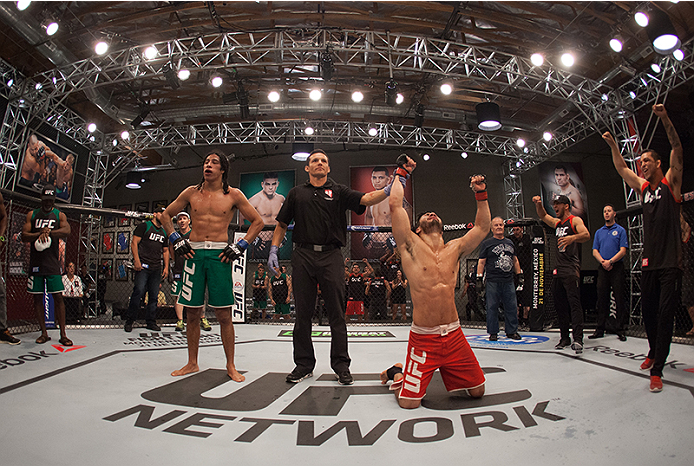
(570, 231)
(149, 245)
(661, 264)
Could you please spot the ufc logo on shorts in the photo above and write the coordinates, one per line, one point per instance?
(45, 222)
(413, 379)
(187, 285)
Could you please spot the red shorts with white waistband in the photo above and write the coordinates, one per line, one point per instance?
(355, 308)
(450, 353)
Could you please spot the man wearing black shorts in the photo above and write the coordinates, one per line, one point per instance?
(43, 229)
(661, 265)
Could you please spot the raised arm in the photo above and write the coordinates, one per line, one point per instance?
(483, 219)
(631, 178)
(542, 213)
(674, 173)
(401, 222)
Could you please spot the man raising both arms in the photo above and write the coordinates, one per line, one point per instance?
(661, 266)
(209, 255)
(436, 339)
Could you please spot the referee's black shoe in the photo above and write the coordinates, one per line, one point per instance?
(345, 378)
(297, 375)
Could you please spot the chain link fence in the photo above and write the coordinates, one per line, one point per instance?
(377, 291)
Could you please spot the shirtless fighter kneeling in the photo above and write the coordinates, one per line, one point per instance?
(436, 339)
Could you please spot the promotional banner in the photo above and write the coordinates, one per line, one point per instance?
(373, 245)
(537, 308)
(238, 277)
(565, 179)
(266, 192)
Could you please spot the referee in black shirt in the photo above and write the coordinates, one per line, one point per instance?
(318, 209)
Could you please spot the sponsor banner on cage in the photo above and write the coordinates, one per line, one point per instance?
(350, 333)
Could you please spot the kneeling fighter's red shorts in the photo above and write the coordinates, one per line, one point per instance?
(448, 351)
(355, 308)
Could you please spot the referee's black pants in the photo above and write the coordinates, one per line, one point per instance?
(660, 297)
(326, 269)
(611, 279)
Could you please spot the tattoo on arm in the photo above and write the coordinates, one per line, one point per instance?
(672, 135)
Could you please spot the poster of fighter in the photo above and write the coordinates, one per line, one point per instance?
(374, 245)
(564, 179)
(47, 162)
(266, 191)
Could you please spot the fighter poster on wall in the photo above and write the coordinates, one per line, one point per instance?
(47, 162)
(560, 178)
(266, 191)
(374, 245)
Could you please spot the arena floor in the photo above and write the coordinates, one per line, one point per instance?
(110, 400)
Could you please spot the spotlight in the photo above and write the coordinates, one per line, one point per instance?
(655, 67)
(617, 43)
(488, 116)
(10, 82)
(446, 89)
(399, 99)
(547, 136)
(183, 74)
(301, 150)
(216, 81)
(391, 93)
(273, 96)
(38, 86)
(144, 111)
(308, 131)
(373, 131)
(426, 157)
(678, 54)
(568, 60)
(326, 66)
(632, 94)
(23, 5)
(537, 59)
(315, 95)
(114, 143)
(464, 155)
(357, 96)
(91, 127)
(520, 142)
(661, 33)
(101, 47)
(419, 115)
(51, 27)
(151, 52)
(518, 164)
(133, 180)
(124, 136)
(171, 77)
(641, 19)
(605, 97)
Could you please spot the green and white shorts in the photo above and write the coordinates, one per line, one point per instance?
(207, 271)
(37, 284)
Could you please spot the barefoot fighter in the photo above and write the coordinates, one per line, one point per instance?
(436, 339)
(209, 254)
